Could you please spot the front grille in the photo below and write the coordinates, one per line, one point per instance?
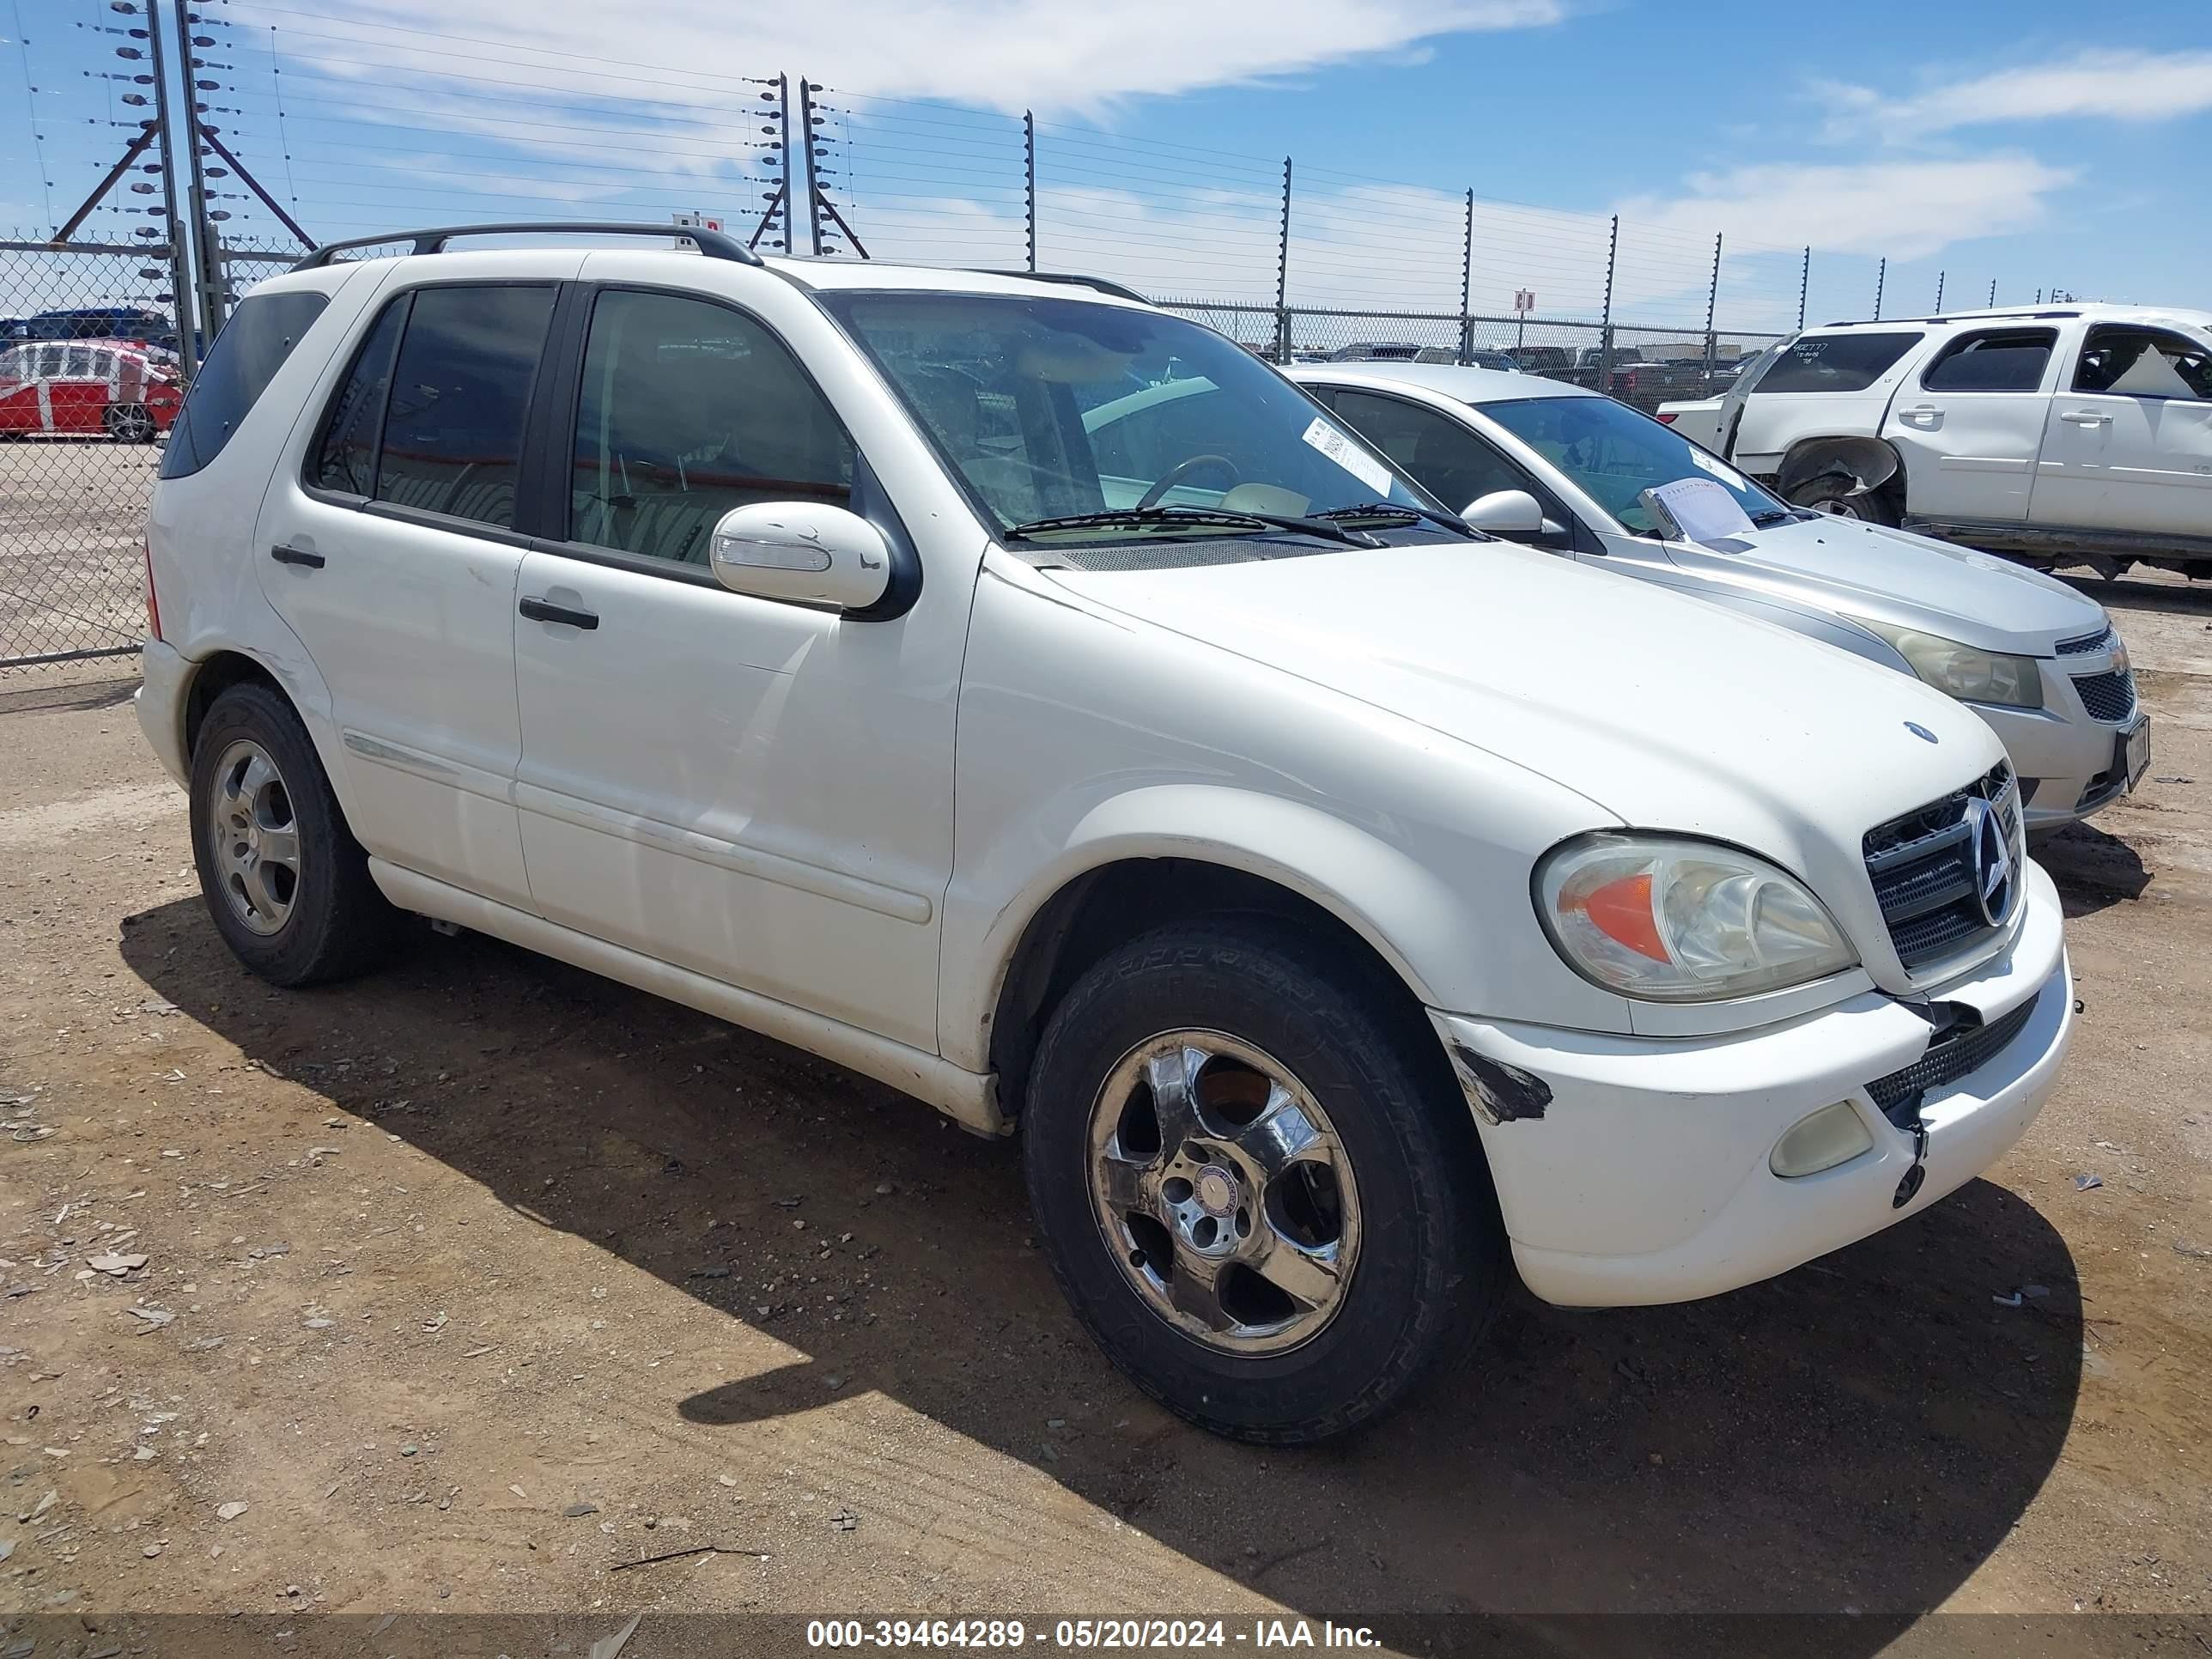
(1921, 865)
(2087, 644)
(2108, 697)
(1961, 1049)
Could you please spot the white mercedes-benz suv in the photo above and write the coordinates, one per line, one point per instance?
(1343, 905)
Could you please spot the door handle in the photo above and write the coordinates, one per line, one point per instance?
(2083, 417)
(1924, 414)
(298, 556)
(545, 610)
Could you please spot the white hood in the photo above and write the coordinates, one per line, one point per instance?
(1668, 713)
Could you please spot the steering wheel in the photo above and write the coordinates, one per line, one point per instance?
(1182, 469)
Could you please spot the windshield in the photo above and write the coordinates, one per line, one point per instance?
(1052, 409)
(1616, 454)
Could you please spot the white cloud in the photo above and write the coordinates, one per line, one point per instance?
(2129, 85)
(1902, 208)
(1003, 54)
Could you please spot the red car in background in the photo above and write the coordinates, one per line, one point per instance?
(121, 389)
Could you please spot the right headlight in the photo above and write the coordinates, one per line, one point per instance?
(1674, 920)
(1965, 671)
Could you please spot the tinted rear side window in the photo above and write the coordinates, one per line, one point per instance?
(2007, 360)
(239, 365)
(452, 433)
(1835, 362)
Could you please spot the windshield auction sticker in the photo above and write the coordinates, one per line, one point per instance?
(1720, 468)
(1349, 456)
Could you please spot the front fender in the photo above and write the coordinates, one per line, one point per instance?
(1416, 922)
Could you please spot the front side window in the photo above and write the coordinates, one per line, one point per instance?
(1614, 453)
(688, 410)
(1835, 362)
(460, 387)
(1053, 408)
(1441, 455)
(240, 362)
(2143, 362)
(1997, 360)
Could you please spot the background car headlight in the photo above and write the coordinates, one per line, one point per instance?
(1673, 919)
(1972, 675)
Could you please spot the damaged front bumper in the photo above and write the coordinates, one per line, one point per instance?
(1636, 1170)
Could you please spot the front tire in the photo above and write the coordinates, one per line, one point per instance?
(1839, 495)
(130, 424)
(1258, 1182)
(286, 883)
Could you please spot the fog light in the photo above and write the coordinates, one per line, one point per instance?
(1834, 1134)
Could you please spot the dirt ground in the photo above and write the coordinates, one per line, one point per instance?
(468, 1284)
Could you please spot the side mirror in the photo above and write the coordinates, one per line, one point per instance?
(806, 552)
(1506, 513)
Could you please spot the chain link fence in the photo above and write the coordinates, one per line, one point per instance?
(91, 377)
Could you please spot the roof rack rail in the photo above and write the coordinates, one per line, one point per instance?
(1072, 279)
(2028, 313)
(715, 243)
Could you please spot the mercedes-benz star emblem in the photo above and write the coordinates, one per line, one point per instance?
(1992, 859)
(1920, 731)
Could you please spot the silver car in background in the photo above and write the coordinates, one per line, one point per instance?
(1563, 468)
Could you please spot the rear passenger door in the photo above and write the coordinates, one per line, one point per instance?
(1970, 429)
(2128, 442)
(392, 551)
(756, 791)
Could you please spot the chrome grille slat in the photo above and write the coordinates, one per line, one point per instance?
(1921, 865)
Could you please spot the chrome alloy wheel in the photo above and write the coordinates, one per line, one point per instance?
(1223, 1192)
(253, 837)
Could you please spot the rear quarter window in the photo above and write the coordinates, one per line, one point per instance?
(243, 358)
(1835, 362)
(1996, 359)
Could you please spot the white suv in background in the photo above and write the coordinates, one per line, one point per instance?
(2079, 433)
(1336, 900)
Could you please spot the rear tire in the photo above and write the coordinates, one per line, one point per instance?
(1839, 495)
(1305, 1132)
(286, 884)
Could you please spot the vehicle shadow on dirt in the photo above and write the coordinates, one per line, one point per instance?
(2091, 869)
(1858, 1435)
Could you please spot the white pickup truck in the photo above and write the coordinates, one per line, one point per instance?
(2077, 433)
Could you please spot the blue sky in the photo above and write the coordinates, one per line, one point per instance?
(2033, 146)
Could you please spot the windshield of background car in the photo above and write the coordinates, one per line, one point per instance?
(1615, 454)
(1049, 408)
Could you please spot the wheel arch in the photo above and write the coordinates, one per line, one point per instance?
(1873, 464)
(211, 677)
(1369, 903)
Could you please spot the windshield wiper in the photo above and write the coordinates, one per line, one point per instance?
(1193, 516)
(1451, 521)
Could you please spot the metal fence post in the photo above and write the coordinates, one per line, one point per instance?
(1939, 292)
(783, 115)
(813, 164)
(1283, 274)
(1029, 177)
(1466, 285)
(207, 258)
(1880, 276)
(1712, 299)
(1605, 337)
(1804, 283)
(1993, 291)
(181, 284)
